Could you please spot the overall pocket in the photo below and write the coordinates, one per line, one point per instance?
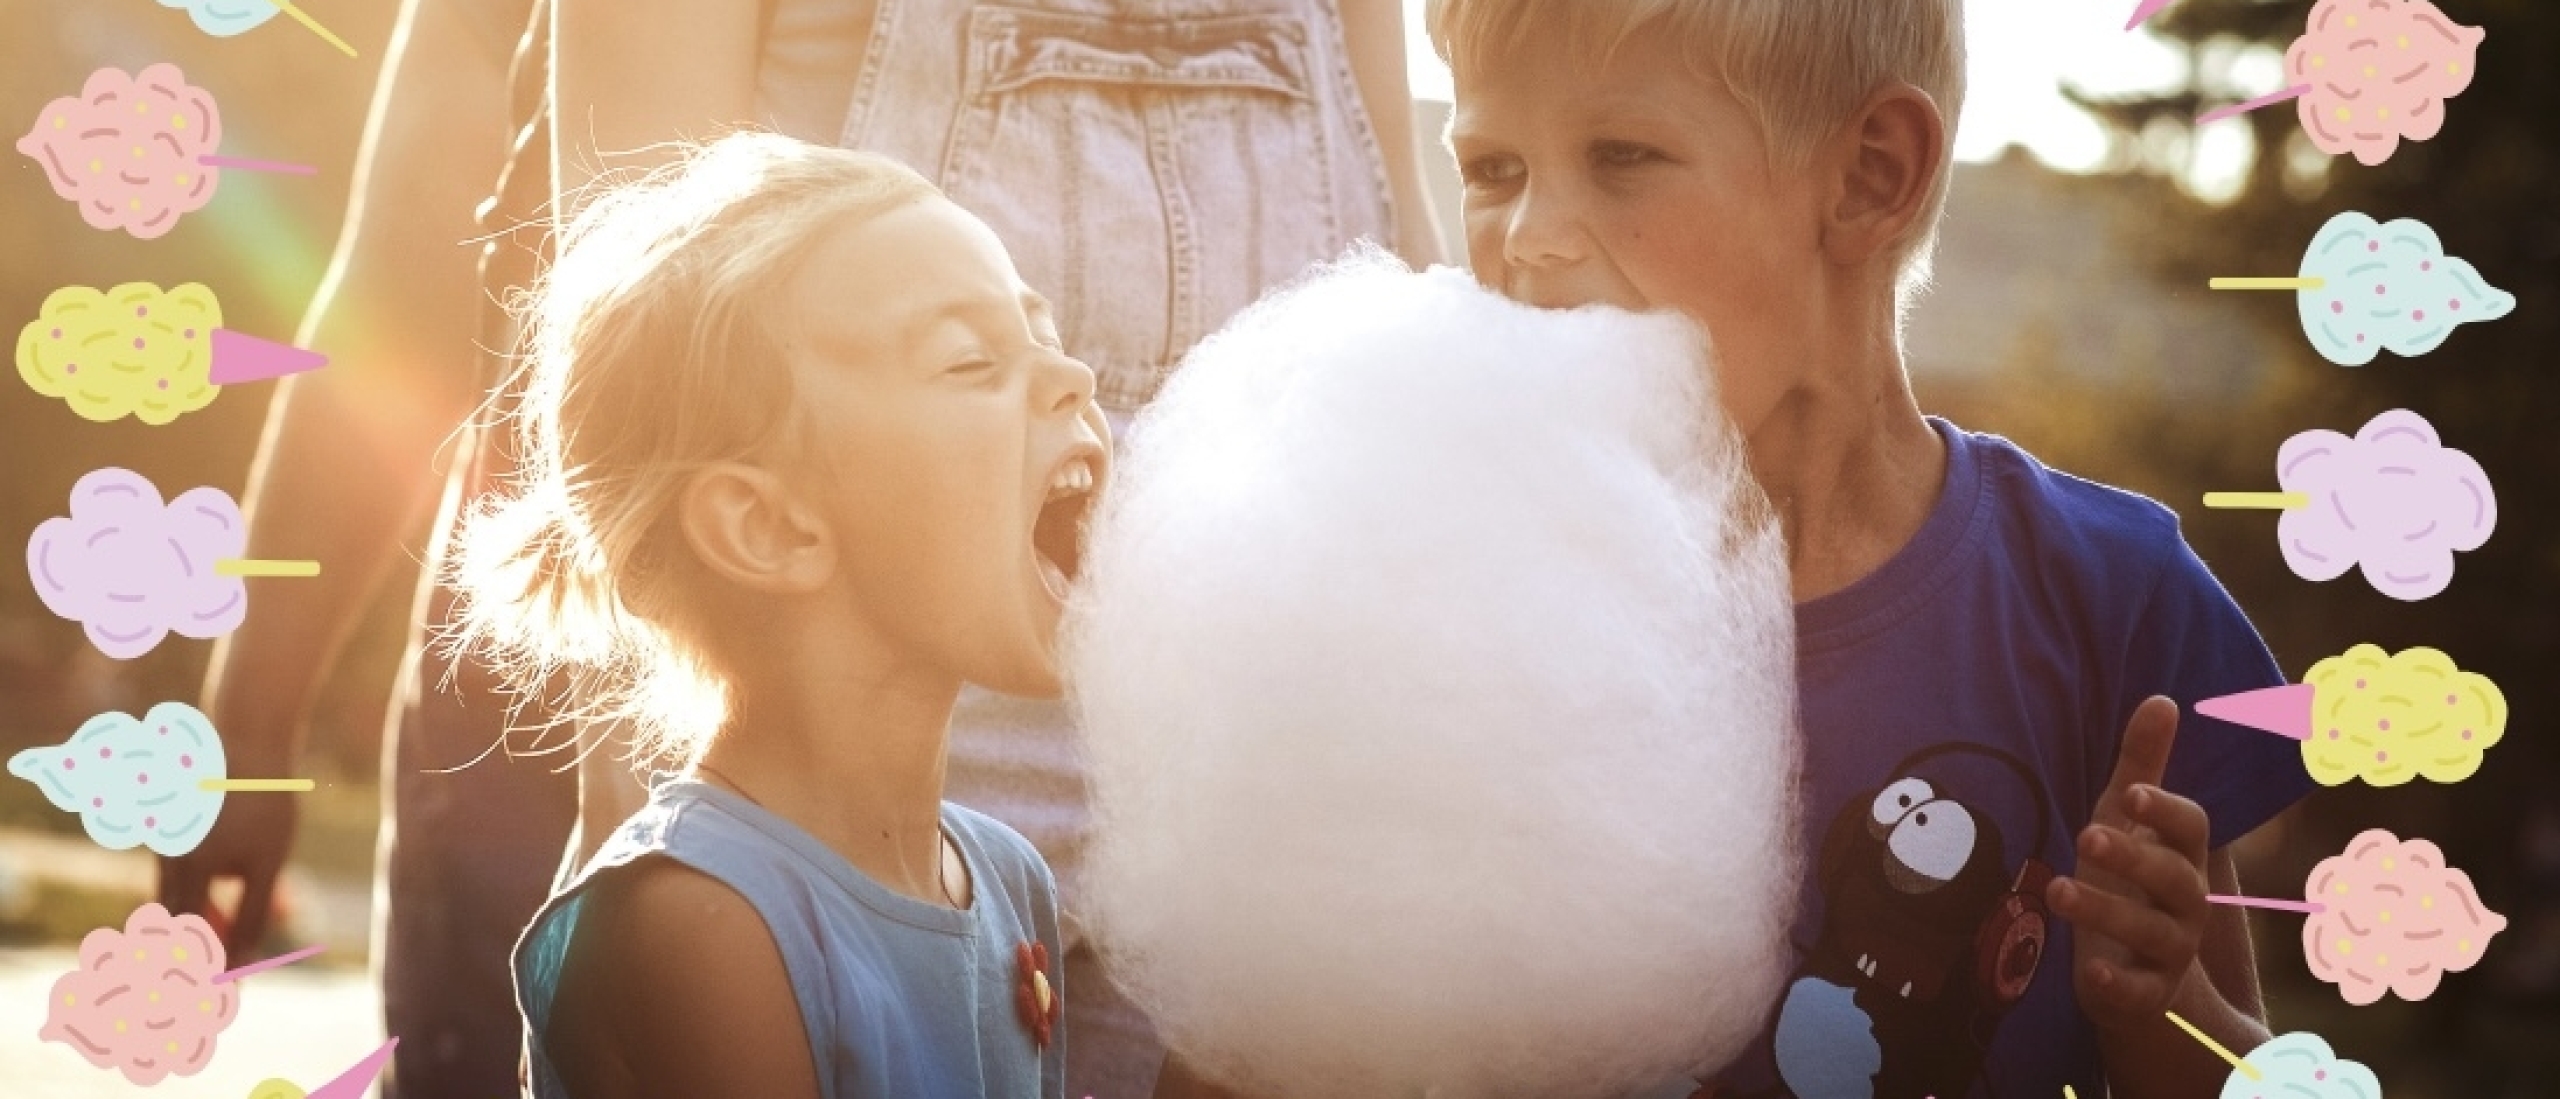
(1150, 175)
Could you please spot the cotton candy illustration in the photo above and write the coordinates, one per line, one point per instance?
(134, 782)
(132, 569)
(2393, 500)
(128, 149)
(2388, 288)
(2390, 718)
(144, 1000)
(2379, 72)
(134, 350)
(2394, 918)
(224, 18)
(2300, 1066)
(1457, 622)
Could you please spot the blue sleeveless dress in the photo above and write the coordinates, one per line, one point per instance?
(901, 998)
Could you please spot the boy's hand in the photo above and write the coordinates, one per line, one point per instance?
(2138, 905)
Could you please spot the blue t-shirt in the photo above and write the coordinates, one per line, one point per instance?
(1962, 708)
(901, 999)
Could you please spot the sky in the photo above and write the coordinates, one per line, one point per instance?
(2021, 52)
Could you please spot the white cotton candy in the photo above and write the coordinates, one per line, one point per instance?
(1436, 661)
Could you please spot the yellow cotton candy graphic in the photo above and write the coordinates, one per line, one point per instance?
(135, 350)
(2389, 718)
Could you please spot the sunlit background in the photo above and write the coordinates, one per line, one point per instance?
(2069, 313)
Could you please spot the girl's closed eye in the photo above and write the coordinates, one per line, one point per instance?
(971, 366)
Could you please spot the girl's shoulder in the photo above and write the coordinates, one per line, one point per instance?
(1003, 851)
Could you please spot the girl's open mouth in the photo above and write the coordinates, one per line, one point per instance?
(1057, 536)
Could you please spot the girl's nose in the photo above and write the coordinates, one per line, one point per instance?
(1065, 383)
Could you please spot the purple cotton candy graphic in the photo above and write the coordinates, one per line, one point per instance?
(2393, 499)
(131, 569)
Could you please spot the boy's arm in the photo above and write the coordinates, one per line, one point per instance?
(2146, 942)
(345, 469)
(1374, 33)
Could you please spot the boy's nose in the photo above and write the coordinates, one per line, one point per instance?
(1542, 232)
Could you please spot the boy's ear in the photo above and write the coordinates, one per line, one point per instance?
(748, 527)
(1882, 165)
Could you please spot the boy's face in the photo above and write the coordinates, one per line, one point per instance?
(1644, 187)
(962, 444)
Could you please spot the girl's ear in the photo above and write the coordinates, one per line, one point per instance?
(748, 527)
(1881, 169)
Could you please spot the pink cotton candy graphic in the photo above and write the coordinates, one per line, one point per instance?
(2393, 500)
(2372, 73)
(2393, 918)
(134, 152)
(147, 1000)
(132, 569)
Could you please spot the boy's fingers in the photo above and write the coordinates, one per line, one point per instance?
(2181, 823)
(2124, 991)
(2165, 877)
(2148, 932)
(2143, 757)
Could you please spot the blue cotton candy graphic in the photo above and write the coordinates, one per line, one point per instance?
(2301, 1066)
(2388, 288)
(224, 18)
(1826, 1044)
(134, 782)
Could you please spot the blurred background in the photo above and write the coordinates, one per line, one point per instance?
(2070, 314)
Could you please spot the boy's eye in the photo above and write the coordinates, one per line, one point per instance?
(970, 367)
(1621, 154)
(1489, 170)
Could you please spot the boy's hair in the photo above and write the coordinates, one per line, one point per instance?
(1799, 67)
(648, 354)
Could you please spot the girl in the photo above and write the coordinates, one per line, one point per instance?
(799, 455)
(1154, 165)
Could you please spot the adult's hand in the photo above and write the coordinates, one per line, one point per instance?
(249, 842)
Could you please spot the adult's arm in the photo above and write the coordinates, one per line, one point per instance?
(346, 467)
(1374, 30)
(629, 76)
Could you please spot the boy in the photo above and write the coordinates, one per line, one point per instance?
(1981, 639)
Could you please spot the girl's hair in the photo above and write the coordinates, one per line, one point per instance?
(1799, 67)
(649, 352)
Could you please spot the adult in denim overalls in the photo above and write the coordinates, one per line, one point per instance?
(1153, 166)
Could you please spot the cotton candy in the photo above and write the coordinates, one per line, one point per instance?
(1434, 656)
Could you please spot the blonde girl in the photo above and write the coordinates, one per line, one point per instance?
(799, 455)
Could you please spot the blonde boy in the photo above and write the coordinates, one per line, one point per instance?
(2009, 891)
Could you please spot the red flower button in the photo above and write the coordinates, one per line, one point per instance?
(1033, 999)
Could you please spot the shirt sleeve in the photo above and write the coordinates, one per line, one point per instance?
(2193, 643)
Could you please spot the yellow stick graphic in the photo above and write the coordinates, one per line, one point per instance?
(2261, 501)
(256, 785)
(2244, 1066)
(251, 566)
(286, 6)
(2312, 283)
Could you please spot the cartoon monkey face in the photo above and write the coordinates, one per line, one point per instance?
(1928, 840)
